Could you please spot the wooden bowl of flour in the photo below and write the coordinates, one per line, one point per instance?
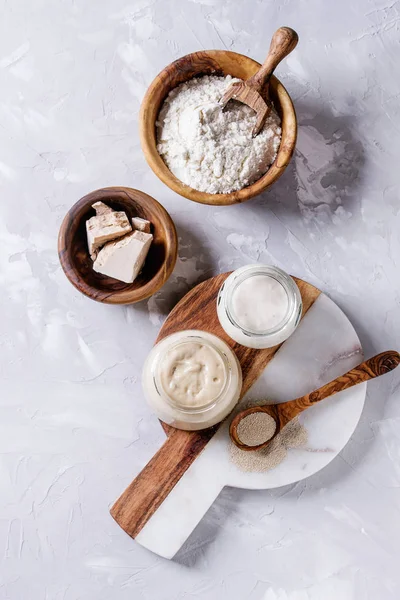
(214, 62)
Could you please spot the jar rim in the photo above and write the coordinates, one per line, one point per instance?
(246, 272)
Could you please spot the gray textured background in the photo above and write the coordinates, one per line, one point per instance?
(74, 428)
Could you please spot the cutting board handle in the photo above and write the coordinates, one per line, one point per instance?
(148, 490)
(144, 496)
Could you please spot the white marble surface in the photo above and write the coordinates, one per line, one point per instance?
(74, 428)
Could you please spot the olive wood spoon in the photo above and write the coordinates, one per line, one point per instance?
(248, 92)
(286, 411)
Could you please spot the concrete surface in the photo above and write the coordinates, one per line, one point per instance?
(74, 428)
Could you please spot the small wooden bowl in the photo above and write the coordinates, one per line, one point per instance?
(78, 266)
(213, 62)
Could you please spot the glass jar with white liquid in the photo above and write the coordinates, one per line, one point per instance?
(259, 306)
(192, 379)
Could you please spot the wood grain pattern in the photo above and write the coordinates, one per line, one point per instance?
(255, 91)
(197, 310)
(213, 62)
(78, 266)
(283, 42)
(286, 411)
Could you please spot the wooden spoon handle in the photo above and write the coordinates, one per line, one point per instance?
(283, 42)
(373, 367)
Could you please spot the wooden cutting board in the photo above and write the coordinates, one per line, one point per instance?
(197, 310)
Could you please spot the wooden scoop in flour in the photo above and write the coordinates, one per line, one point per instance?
(248, 92)
(286, 411)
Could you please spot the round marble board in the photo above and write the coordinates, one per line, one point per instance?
(323, 347)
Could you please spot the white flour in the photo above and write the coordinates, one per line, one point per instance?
(210, 150)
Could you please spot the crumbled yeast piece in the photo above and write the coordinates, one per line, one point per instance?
(101, 208)
(107, 225)
(141, 224)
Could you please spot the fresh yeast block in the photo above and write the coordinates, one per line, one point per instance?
(123, 259)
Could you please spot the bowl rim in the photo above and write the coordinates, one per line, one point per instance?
(124, 296)
(157, 164)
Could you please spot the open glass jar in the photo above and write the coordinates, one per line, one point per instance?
(259, 306)
(192, 380)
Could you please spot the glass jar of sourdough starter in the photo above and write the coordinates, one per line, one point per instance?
(192, 379)
(259, 306)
